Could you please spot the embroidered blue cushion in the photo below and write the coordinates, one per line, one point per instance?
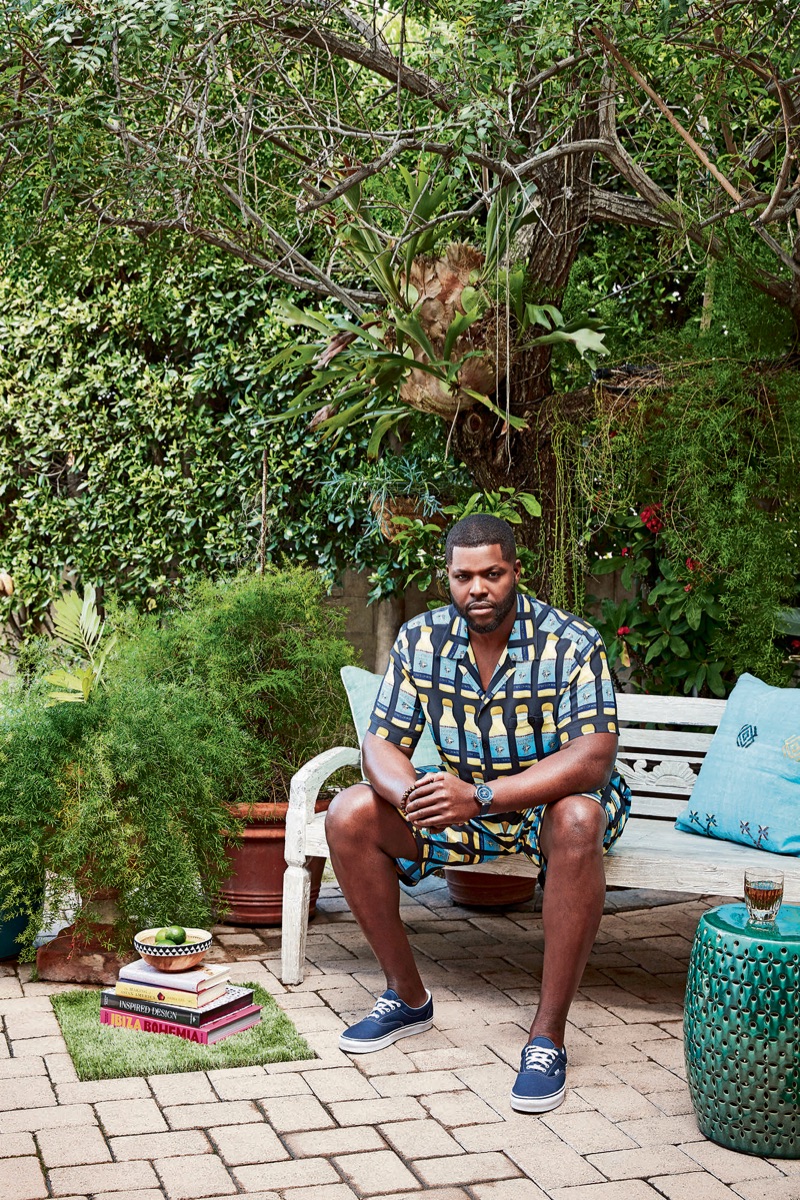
(362, 690)
(748, 789)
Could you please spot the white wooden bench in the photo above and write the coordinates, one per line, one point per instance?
(660, 766)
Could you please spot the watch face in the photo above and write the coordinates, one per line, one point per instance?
(484, 793)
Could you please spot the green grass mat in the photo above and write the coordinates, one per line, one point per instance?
(101, 1052)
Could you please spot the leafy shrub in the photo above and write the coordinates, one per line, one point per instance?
(220, 701)
(124, 792)
(265, 652)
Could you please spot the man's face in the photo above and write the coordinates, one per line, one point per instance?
(483, 586)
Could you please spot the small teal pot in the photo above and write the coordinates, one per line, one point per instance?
(11, 931)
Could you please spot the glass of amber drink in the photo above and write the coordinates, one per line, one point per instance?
(763, 895)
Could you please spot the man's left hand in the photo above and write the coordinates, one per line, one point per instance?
(440, 799)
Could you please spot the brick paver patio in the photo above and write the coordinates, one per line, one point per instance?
(430, 1114)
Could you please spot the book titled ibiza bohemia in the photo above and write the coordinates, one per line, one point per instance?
(207, 1035)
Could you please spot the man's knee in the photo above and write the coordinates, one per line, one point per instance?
(351, 815)
(575, 824)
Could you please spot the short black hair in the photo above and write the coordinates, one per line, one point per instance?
(482, 529)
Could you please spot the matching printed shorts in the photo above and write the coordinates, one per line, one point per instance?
(483, 839)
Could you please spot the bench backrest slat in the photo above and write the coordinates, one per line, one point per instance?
(661, 765)
(669, 710)
(666, 741)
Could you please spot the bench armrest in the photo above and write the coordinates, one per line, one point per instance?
(303, 792)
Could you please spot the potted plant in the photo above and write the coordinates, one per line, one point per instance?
(265, 653)
(122, 798)
(136, 793)
(394, 485)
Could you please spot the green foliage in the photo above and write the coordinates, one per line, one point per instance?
(218, 702)
(265, 652)
(133, 406)
(711, 461)
(671, 634)
(79, 625)
(126, 791)
(359, 368)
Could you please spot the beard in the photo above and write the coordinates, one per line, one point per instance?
(489, 621)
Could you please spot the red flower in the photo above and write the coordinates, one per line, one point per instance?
(795, 643)
(693, 564)
(650, 517)
(688, 587)
(623, 629)
(625, 551)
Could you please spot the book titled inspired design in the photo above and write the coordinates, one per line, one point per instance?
(232, 999)
(207, 1035)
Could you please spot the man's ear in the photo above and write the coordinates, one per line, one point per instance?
(517, 569)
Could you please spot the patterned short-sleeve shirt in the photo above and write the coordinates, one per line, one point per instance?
(551, 685)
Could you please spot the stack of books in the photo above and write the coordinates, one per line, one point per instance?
(199, 1006)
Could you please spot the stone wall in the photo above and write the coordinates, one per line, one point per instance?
(372, 628)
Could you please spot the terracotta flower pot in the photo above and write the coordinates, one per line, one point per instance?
(478, 889)
(253, 892)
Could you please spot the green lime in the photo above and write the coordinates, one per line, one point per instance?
(175, 934)
(162, 937)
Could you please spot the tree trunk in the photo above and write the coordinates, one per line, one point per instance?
(540, 458)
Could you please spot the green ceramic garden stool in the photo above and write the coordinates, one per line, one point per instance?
(742, 1031)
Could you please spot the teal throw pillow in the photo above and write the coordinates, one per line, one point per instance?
(748, 789)
(362, 690)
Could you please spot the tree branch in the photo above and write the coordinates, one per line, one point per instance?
(372, 57)
(621, 209)
(774, 245)
(146, 227)
(332, 289)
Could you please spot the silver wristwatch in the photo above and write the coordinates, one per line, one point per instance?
(483, 798)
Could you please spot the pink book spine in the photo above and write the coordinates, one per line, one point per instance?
(189, 1033)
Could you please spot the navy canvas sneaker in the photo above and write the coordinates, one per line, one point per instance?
(390, 1020)
(542, 1079)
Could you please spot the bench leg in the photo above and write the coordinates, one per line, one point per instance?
(296, 895)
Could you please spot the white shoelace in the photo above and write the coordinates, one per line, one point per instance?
(538, 1058)
(383, 1006)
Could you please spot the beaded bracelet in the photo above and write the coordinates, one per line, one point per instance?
(406, 794)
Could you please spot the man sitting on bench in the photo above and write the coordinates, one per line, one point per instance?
(521, 706)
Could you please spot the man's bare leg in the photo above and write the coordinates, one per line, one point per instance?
(365, 835)
(572, 843)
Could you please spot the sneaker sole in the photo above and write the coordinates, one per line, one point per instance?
(537, 1104)
(353, 1046)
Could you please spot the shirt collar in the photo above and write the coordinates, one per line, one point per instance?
(521, 645)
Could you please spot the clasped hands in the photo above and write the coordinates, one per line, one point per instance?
(439, 799)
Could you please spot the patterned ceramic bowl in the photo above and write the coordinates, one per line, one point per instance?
(166, 957)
